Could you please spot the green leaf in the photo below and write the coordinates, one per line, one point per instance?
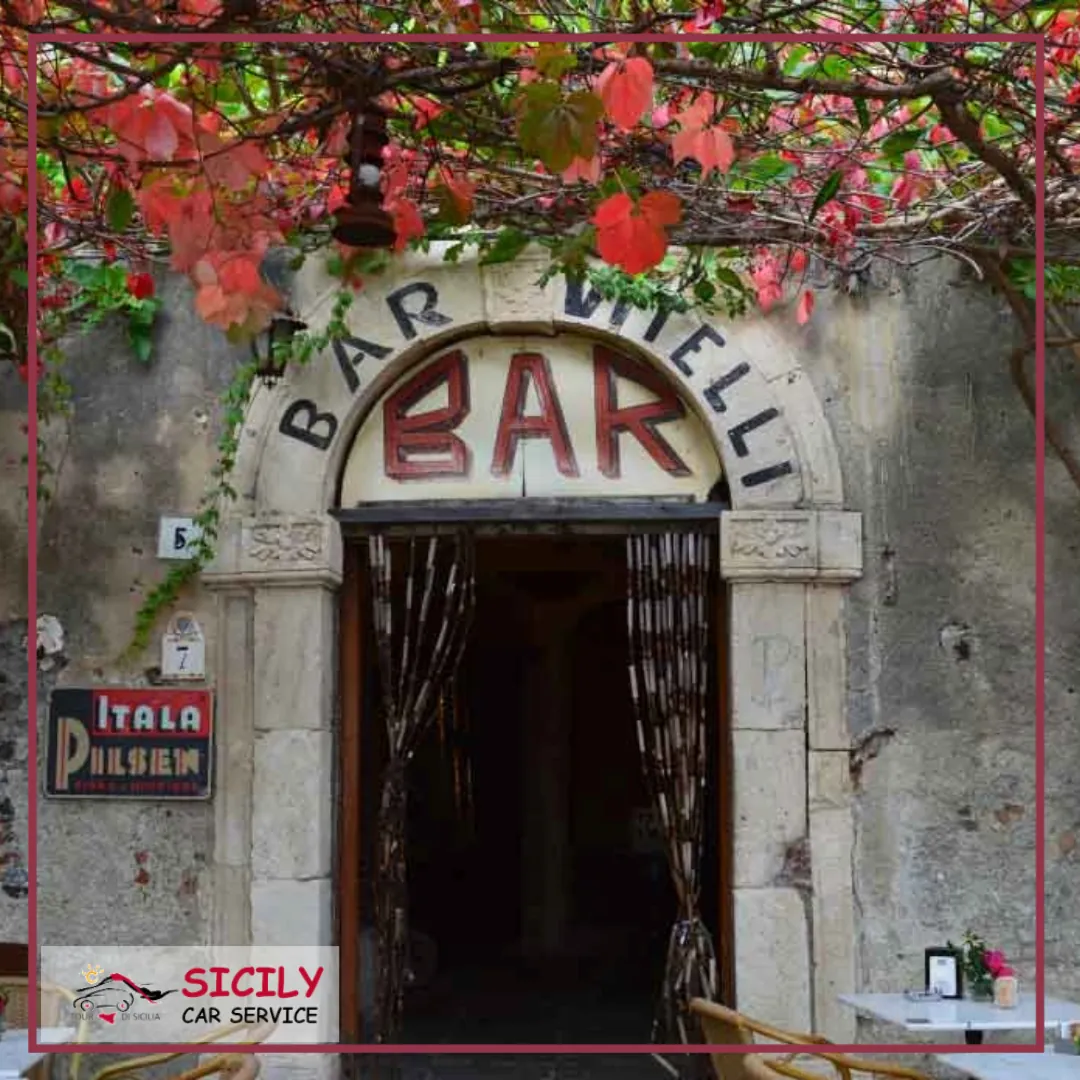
(119, 209)
(794, 61)
(85, 274)
(553, 60)
(20, 277)
(768, 167)
(142, 342)
(995, 128)
(142, 314)
(556, 129)
(115, 278)
(826, 192)
(863, 112)
(835, 67)
(726, 276)
(901, 142)
(508, 245)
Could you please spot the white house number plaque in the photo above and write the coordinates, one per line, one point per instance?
(183, 650)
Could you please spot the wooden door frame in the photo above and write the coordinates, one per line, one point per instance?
(350, 690)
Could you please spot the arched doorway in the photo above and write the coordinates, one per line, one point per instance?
(533, 887)
(786, 548)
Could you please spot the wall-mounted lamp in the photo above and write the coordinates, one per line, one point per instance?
(362, 222)
(270, 348)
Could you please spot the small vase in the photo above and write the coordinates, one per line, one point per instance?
(979, 991)
(1006, 992)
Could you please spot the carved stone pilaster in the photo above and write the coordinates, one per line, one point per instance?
(791, 545)
(278, 550)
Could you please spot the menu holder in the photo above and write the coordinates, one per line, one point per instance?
(944, 973)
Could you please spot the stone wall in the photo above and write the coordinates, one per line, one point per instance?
(937, 452)
(139, 444)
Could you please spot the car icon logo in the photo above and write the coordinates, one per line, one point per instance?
(104, 997)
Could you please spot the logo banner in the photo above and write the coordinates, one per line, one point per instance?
(175, 994)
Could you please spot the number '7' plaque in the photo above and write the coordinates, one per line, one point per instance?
(183, 650)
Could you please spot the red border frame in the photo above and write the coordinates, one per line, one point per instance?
(569, 1048)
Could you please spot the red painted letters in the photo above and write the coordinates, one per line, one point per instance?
(428, 433)
(638, 420)
(425, 445)
(514, 425)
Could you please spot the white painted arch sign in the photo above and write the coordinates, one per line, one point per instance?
(529, 417)
(460, 381)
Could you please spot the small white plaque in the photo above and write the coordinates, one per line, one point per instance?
(177, 537)
(183, 650)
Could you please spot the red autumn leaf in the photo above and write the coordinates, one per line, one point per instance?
(702, 139)
(626, 89)
(231, 292)
(456, 196)
(161, 140)
(710, 12)
(141, 286)
(805, 308)
(408, 222)
(232, 166)
(426, 111)
(632, 235)
(766, 276)
(587, 169)
(207, 9)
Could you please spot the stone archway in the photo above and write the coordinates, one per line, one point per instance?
(787, 548)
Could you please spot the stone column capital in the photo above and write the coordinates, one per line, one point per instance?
(277, 550)
(791, 545)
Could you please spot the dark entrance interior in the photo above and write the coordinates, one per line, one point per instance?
(539, 889)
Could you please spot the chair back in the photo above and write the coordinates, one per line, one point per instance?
(722, 1027)
(218, 1063)
(758, 1069)
(16, 988)
(51, 1001)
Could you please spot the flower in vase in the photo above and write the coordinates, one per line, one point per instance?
(981, 965)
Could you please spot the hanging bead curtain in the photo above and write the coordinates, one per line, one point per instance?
(668, 614)
(421, 626)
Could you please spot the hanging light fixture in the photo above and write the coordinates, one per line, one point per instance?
(270, 366)
(362, 222)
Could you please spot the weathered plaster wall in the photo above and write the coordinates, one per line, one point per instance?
(937, 452)
(139, 445)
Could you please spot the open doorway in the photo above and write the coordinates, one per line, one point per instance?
(540, 897)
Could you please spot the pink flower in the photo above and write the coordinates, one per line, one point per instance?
(995, 962)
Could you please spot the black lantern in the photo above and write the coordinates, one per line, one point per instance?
(271, 364)
(362, 222)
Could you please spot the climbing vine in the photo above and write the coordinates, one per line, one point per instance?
(295, 352)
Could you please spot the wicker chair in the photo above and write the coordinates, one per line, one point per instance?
(725, 1027)
(234, 1066)
(51, 997)
(51, 1014)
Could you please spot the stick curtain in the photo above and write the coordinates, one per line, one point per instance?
(668, 616)
(421, 626)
